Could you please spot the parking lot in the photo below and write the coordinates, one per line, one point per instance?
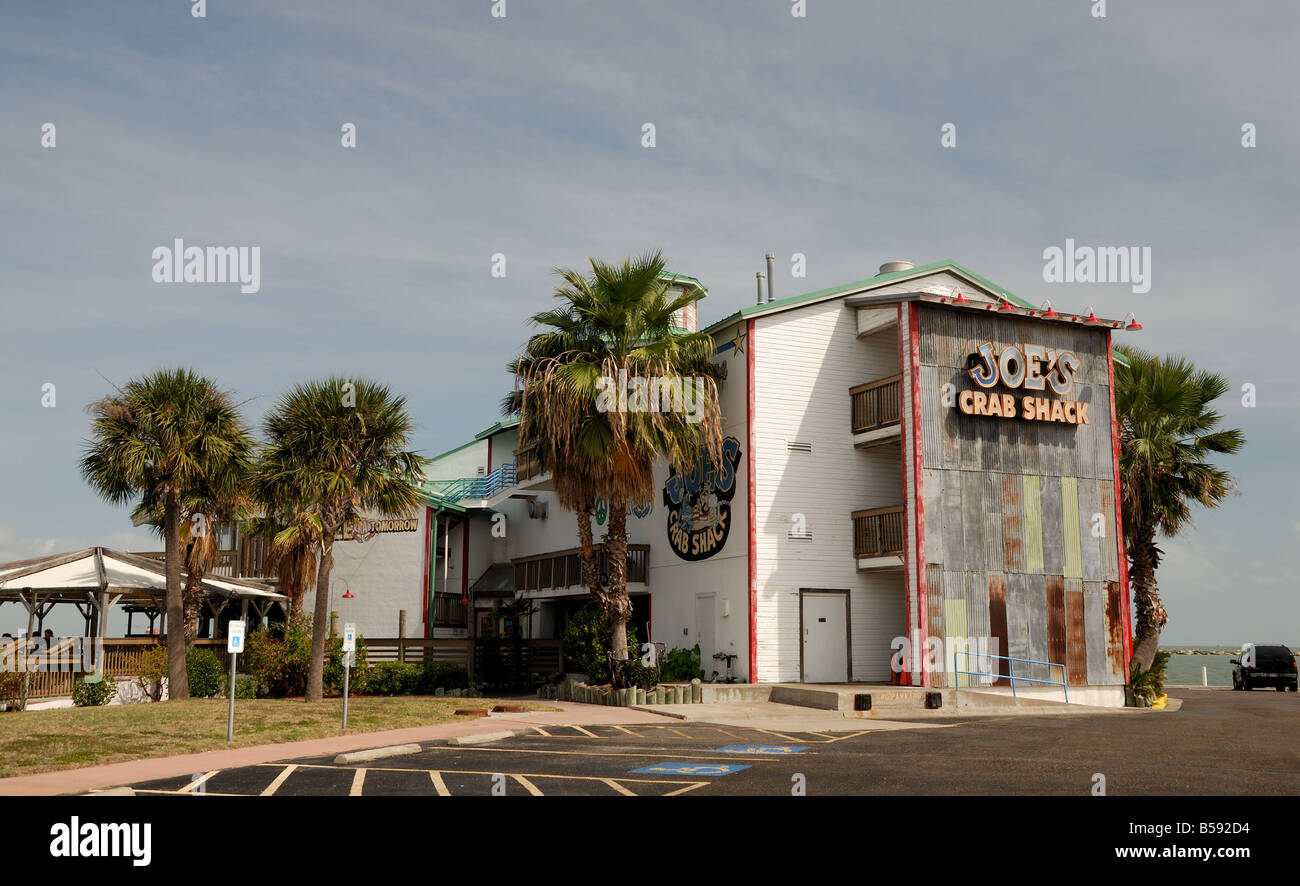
(1221, 742)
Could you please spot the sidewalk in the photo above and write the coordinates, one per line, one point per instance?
(91, 778)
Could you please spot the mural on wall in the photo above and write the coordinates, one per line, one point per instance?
(642, 511)
(699, 503)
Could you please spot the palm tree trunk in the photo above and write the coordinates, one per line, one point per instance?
(590, 568)
(320, 619)
(1150, 616)
(193, 600)
(619, 604)
(178, 684)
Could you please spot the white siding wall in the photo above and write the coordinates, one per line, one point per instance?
(806, 360)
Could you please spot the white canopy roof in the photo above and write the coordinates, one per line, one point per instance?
(95, 570)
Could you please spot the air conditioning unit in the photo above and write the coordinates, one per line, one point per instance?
(536, 509)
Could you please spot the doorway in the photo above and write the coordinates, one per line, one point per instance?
(824, 634)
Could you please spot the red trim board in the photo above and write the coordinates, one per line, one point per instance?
(753, 505)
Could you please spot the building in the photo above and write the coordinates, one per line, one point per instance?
(917, 465)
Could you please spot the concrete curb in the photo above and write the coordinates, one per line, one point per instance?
(481, 737)
(657, 710)
(366, 756)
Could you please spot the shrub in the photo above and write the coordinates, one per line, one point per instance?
(11, 691)
(440, 675)
(153, 670)
(278, 657)
(333, 676)
(682, 665)
(101, 692)
(1148, 685)
(640, 675)
(207, 677)
(392, 678)
(245, 687)
(588, 640)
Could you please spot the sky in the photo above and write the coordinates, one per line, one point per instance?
(522, 135)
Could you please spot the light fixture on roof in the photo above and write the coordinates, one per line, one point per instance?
(960, 299)
(1006, 305)
(1135, 324)
(1049, 312)
(347, 594)
(1092, 317)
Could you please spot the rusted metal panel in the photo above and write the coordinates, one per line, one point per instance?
(954, 546)
(1094, 630)
(929, 322)
(1031, 511)
(1109, 549)
(1053, 533)
(971, 442)
(1012, 538)
(934, 592)
(932, 410)
(1076, 644)
(1029, 455)
(933, 493)
(972, 513)
(1099, 415)
(977, 619)
(954, 616)
(1019, 644)
(1036, 616)
(1070, 527)
(998, 638)
(954, 428)
(1089, 544)
(992, 496)
(994, 452)
(1056, 641)
(1115, 632)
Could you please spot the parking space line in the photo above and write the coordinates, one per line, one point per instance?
(777, 734)
(629, 731)
(618, 787)
(584, 731)
(358, 781)
(189, 788)
(540, 731)
(438, 784)
(678, 731)
(714, 758)
(528, 785)
(724, 732)
(689, 787)
(173, 793)
(279, 780)
(850, 735)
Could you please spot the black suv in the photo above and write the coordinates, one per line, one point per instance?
(1271, 666)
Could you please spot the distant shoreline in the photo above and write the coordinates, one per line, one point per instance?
(1194, 651)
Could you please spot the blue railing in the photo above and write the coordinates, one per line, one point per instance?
(1012, 668)
(480, 487)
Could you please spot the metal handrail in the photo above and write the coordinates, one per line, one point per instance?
(1012, 667)
(480, 487)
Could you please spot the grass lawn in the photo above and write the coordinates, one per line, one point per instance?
(69, 738)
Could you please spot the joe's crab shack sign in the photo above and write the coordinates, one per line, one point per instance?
(1026, 367)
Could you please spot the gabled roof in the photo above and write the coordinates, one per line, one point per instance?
(504, 425)
(76, 573)
(866, 286)
(686, 279)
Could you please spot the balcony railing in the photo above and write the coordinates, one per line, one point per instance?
(477, 487)
(878, 532)
(527, 464)
(450, 611)
(563, 569)
(876, 404)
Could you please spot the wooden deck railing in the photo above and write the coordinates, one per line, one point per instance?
(878, 532)
(535, 656)
(450, 611)
(876, 404)
(527, 464)
(563, 569)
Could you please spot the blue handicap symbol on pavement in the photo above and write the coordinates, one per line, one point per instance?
(762, 749)
(687, 769)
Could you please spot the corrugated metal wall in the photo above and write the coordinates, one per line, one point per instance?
(1019, 515)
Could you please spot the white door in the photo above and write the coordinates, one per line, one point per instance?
(704, 615)
(825, 638)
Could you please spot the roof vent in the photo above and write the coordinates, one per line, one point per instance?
(890, 267)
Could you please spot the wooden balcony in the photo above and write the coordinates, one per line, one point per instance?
(875, 411)
(527, 464)
(449, 611)
(246, 561)
(878, 540)
(563, 569)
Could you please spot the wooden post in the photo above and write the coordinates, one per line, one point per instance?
(401, 635)
(334, 625)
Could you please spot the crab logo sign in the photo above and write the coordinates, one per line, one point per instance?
(699, 503)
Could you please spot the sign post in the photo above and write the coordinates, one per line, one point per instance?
(349, 648)
(234, 645)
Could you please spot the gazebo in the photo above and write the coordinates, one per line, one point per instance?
(97, 579)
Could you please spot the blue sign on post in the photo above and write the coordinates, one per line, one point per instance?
(687, 769)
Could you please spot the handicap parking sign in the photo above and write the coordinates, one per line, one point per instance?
(688, 769)
(762, 749)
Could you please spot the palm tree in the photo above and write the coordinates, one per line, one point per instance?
(1168, 431)
(168, 437)
(335, 449)
(294, 554)
(202, 513)
(618, 323)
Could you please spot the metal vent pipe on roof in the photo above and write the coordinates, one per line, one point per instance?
(758, 279)
(890, 267)
(770, 276)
